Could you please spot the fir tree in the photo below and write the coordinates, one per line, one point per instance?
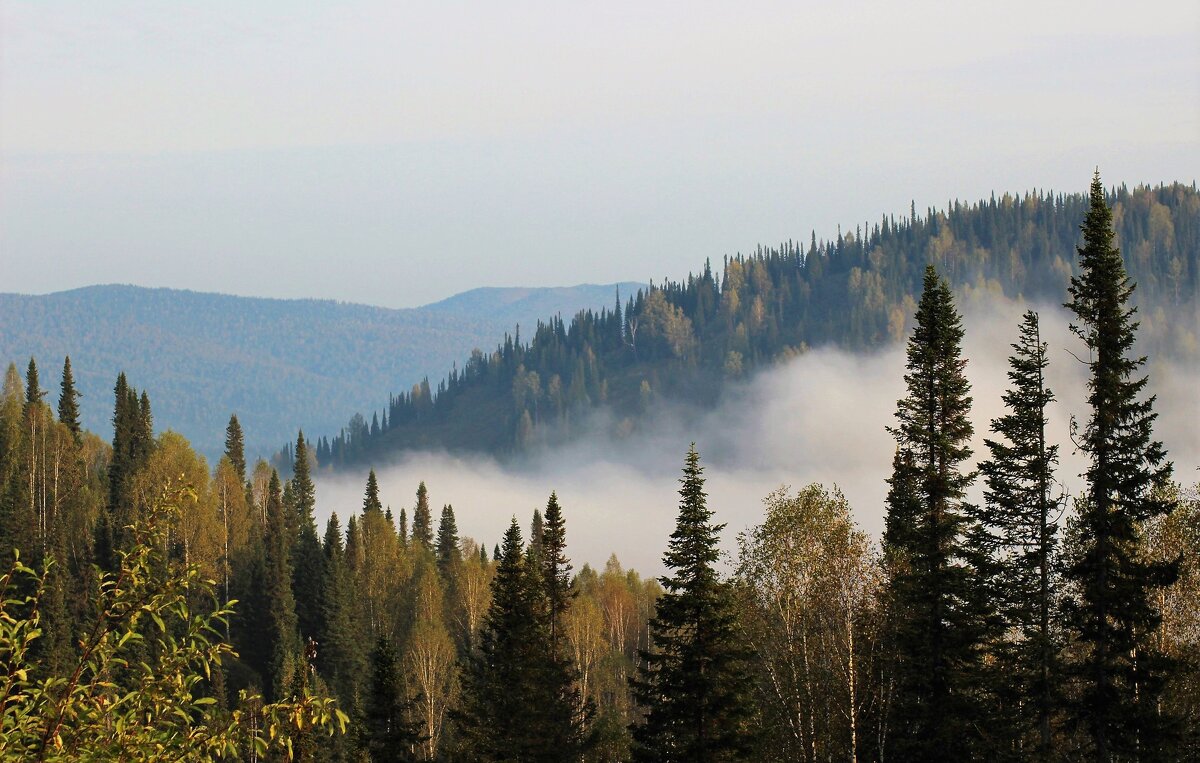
(68, 400)
(447, 540)
(391, 732)
(280, 641)
(518, 704)
(235, 447)
(371, 500)
(308, 560)
(938, 611)
(340, 658)
(422, 527)
(33, 389)
(556, 568)
(1114, 616)
(693, 682)
(1020, 518)
(403, 527)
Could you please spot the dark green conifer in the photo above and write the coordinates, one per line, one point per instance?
(422, 527)
(307, 558)
(371, 500)
(447, 540)
(556, 569)
(33, 389)
(280, 640)
(938, 611)
(403, 527)
(391, 732)
(693, 682)
(518, 703)
(1113, 612)
(235, 447)
(1020, 518)
(68, 400)
(340, 657)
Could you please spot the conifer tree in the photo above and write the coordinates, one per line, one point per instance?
(391, 730)
(422, 527)
(693, 682)
(371, 500)
(340, 657)
(1114, 615)
(33, 389)
(1021, 531)
(280, 641)
(307, 559)
(556, 568)
(68, 400)
(235, 447)
(517, 703)
(938, 613)
(447, 540)
(403, 527)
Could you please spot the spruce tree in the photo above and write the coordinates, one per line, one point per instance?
(403, 527)
(280, 639)
(68, 400)
(1021, 531)
(447, 540)
(235, 447)
(556, 568)
(1113, 613)
(33, 389)
(308, 561)
(518, 703)
(938, 612)
(391, 732)
(422, 526)
(693, 682)
(371, 500)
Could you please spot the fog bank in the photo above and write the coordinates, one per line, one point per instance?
(820, 417)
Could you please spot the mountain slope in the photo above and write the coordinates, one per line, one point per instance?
(278, 364)
(683, 341)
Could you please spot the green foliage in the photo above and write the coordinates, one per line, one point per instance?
(693, 684)
(116, 704)
(684, 341)
(938, 613)
(1020, 537)
(1112, 610)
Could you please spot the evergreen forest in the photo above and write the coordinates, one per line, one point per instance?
(159, 607)
(684, 341)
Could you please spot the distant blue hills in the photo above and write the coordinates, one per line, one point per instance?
(277, 363)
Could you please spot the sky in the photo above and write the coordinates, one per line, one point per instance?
(396, 153)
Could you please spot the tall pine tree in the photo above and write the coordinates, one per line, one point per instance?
(1020, 516)
(1114, 616)
(422, 524)
(693, 682)
(937, 608)
(447, 540)
(308, 560)
(235, 447)
(68, 400)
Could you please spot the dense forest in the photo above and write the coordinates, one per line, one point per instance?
(157, 609)
(683, 340)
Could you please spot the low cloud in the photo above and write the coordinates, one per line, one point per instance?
(820, 417)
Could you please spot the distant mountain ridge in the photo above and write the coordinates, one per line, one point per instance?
(277, 363)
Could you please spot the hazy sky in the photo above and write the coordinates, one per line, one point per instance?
(395, 153)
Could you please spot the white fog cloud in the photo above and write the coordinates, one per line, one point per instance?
(818, 418)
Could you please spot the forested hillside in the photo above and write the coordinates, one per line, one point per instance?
(276, 362)
(681, 340)
(153, 605)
